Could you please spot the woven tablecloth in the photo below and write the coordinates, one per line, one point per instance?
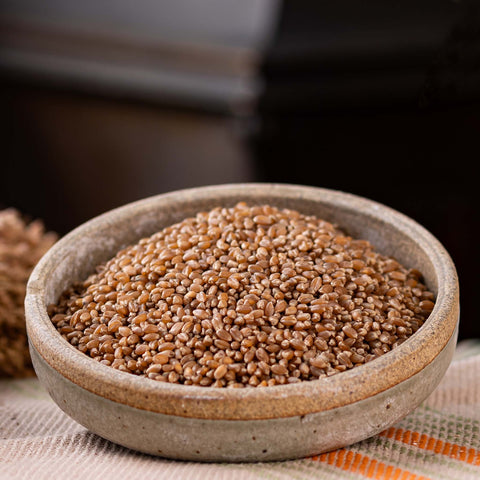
(439, 440)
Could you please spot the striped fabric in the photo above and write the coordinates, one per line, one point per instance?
(439, 440)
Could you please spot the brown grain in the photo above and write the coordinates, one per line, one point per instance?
(244, 297)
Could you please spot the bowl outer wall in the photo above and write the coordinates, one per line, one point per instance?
(75, 256)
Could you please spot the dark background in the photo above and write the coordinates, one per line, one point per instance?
(382, 101)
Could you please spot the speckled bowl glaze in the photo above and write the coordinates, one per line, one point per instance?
(272, 423)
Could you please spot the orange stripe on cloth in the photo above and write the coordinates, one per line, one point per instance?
(369, 467)
(425, 442)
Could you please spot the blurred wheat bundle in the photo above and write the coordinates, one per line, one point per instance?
(21, 246)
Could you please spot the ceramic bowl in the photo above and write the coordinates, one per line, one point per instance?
(254, 424)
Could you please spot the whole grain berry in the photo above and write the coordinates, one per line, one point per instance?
(248, 296)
